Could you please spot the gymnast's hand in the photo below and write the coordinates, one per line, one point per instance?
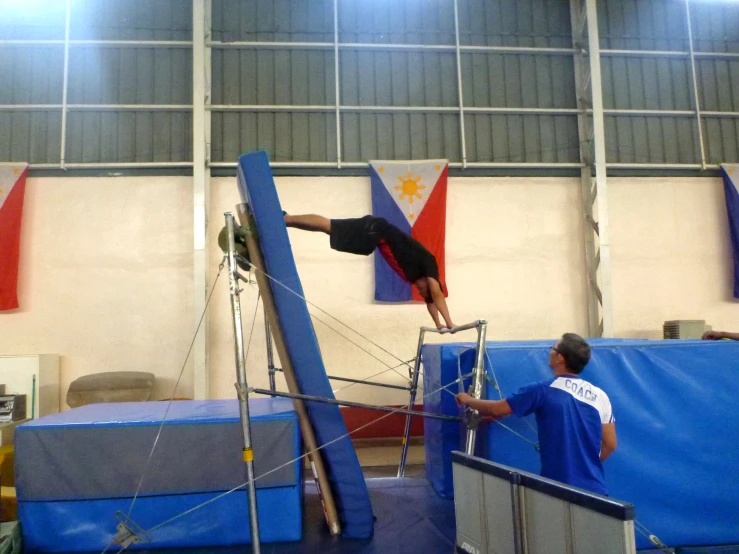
(463, 399)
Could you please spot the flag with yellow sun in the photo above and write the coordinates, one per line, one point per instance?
(411, 196)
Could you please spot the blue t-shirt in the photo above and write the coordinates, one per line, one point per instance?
(570, 413)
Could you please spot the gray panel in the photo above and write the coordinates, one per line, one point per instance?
(469, 508)
(131, 19)
(128, 137)
(25, 21)
(499, 515)
(409, 22)
(101, 462)
(273, 20)
(547, 524)
(594, 532)
(284, 135)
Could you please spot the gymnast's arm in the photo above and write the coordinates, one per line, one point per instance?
(718, 335)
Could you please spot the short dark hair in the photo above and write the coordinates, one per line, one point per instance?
(575, 351)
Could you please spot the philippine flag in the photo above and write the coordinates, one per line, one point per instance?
(411, 196)
(731, 180)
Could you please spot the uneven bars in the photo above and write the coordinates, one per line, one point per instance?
(455, 329)
(309, 398)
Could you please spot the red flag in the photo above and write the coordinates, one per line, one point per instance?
(12, 190)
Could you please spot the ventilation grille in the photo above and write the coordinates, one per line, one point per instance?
(684, 329)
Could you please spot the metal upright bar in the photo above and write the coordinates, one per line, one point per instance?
(601, 184)
(460, 94)
(337, 88)
(270, 355)
(241, 385)
(476, 390)
(695, 86)
(65, 85)
(411, 401)
(200, 190)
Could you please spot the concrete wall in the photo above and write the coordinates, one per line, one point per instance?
(106, 272)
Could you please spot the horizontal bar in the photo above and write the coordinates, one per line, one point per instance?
(520, 50)
(309, 398)
(269, 108)
(668, 54)
(359, 165)
(98, 107)
(103, 165)
(645, 53)
(372, 383)
(455, 329)
(269, 45)
(284, 45)
(362, 165)
(359, 381)
(321, 108)
(102, 43)
(659, 166)
(401, 109)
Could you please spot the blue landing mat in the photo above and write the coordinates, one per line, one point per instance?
(257, 188)
(676, 417)
(410, 518)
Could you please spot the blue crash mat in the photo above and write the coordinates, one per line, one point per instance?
(676, 417)
(257, 188)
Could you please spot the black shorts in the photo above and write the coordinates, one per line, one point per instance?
(358, 235)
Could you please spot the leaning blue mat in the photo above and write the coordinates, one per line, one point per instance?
(257, 188)
(676, 416)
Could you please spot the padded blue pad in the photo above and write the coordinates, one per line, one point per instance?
(676, 420)
(75, 469)
(257, 188)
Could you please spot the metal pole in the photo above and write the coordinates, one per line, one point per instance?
(270, 356)
(587, 195)
(411, 401)
(459, 84)
(241, 385)
(455, 329)
(336, 83)
(65, 82)
(476, 390)
(322, 400)
(200, 192)
(601, 185)
(695, 87)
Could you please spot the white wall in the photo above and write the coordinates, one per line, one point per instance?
(106, 271)
(105, 277)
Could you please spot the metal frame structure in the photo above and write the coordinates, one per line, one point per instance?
(202, 45)
(476, 388)
(591, 128)
(241, 384)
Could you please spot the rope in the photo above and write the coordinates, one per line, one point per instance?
(651, 537)
(329, 315)
(174, 390)
(375, 375)
(500, 392)
(383, 362)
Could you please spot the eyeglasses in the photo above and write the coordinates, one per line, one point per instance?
(554, 348)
